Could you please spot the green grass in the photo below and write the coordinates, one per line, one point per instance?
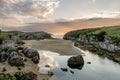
(111, 31)
(4, 35)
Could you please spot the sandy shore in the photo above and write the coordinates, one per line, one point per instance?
(63, 47)
(29, 67)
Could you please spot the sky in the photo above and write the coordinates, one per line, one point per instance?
(16, 13)
(75, 9)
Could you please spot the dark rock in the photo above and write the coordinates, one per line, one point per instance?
(7, 47)
(36, 59)
(72, 72)
(76, 62)
(30, 53)
(64, 69)
(1, 41)
(47, 66)
(88, 62)
(4, 69)
(11, 49)
(15, 59)
(3, 56)
(25, 50)
(30, 76)
(50, 73)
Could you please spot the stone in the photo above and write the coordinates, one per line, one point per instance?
(15, 59)
(30, 53)
(64, 69)
(76, 62)
(30, 76)
(36, 59)
(3, 56)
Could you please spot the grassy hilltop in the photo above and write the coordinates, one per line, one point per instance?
(112, 31)
(4, 35)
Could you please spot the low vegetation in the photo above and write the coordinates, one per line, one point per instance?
(18, 76)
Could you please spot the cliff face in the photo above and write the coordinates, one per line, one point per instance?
(99, 37)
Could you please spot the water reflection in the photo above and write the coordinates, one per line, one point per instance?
(99, 69)
(47, 61)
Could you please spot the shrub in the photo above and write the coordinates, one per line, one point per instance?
(101, 36)
(6, 77)
(19, 75)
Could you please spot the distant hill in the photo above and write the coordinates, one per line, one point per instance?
(25, 35)
(61, 27)
(112, 31)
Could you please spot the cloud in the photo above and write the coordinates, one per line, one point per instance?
(18, 10)
(93, 0)
(47, 59)
(104, 14)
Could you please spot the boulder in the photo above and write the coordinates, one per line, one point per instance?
(76, 62)
(3, 56)
(30, 76)
(11, 49)
(25, 49)
(64, 69)
(36, 59)
(15, 59)
(30, 53)
(6, 47)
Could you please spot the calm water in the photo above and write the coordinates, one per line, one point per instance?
(99, 69)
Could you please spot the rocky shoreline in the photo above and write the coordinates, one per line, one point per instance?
(18, 62)
(98, 50)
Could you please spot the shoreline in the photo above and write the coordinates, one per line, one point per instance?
(98, 50)
(9, 64)
(62, 47)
